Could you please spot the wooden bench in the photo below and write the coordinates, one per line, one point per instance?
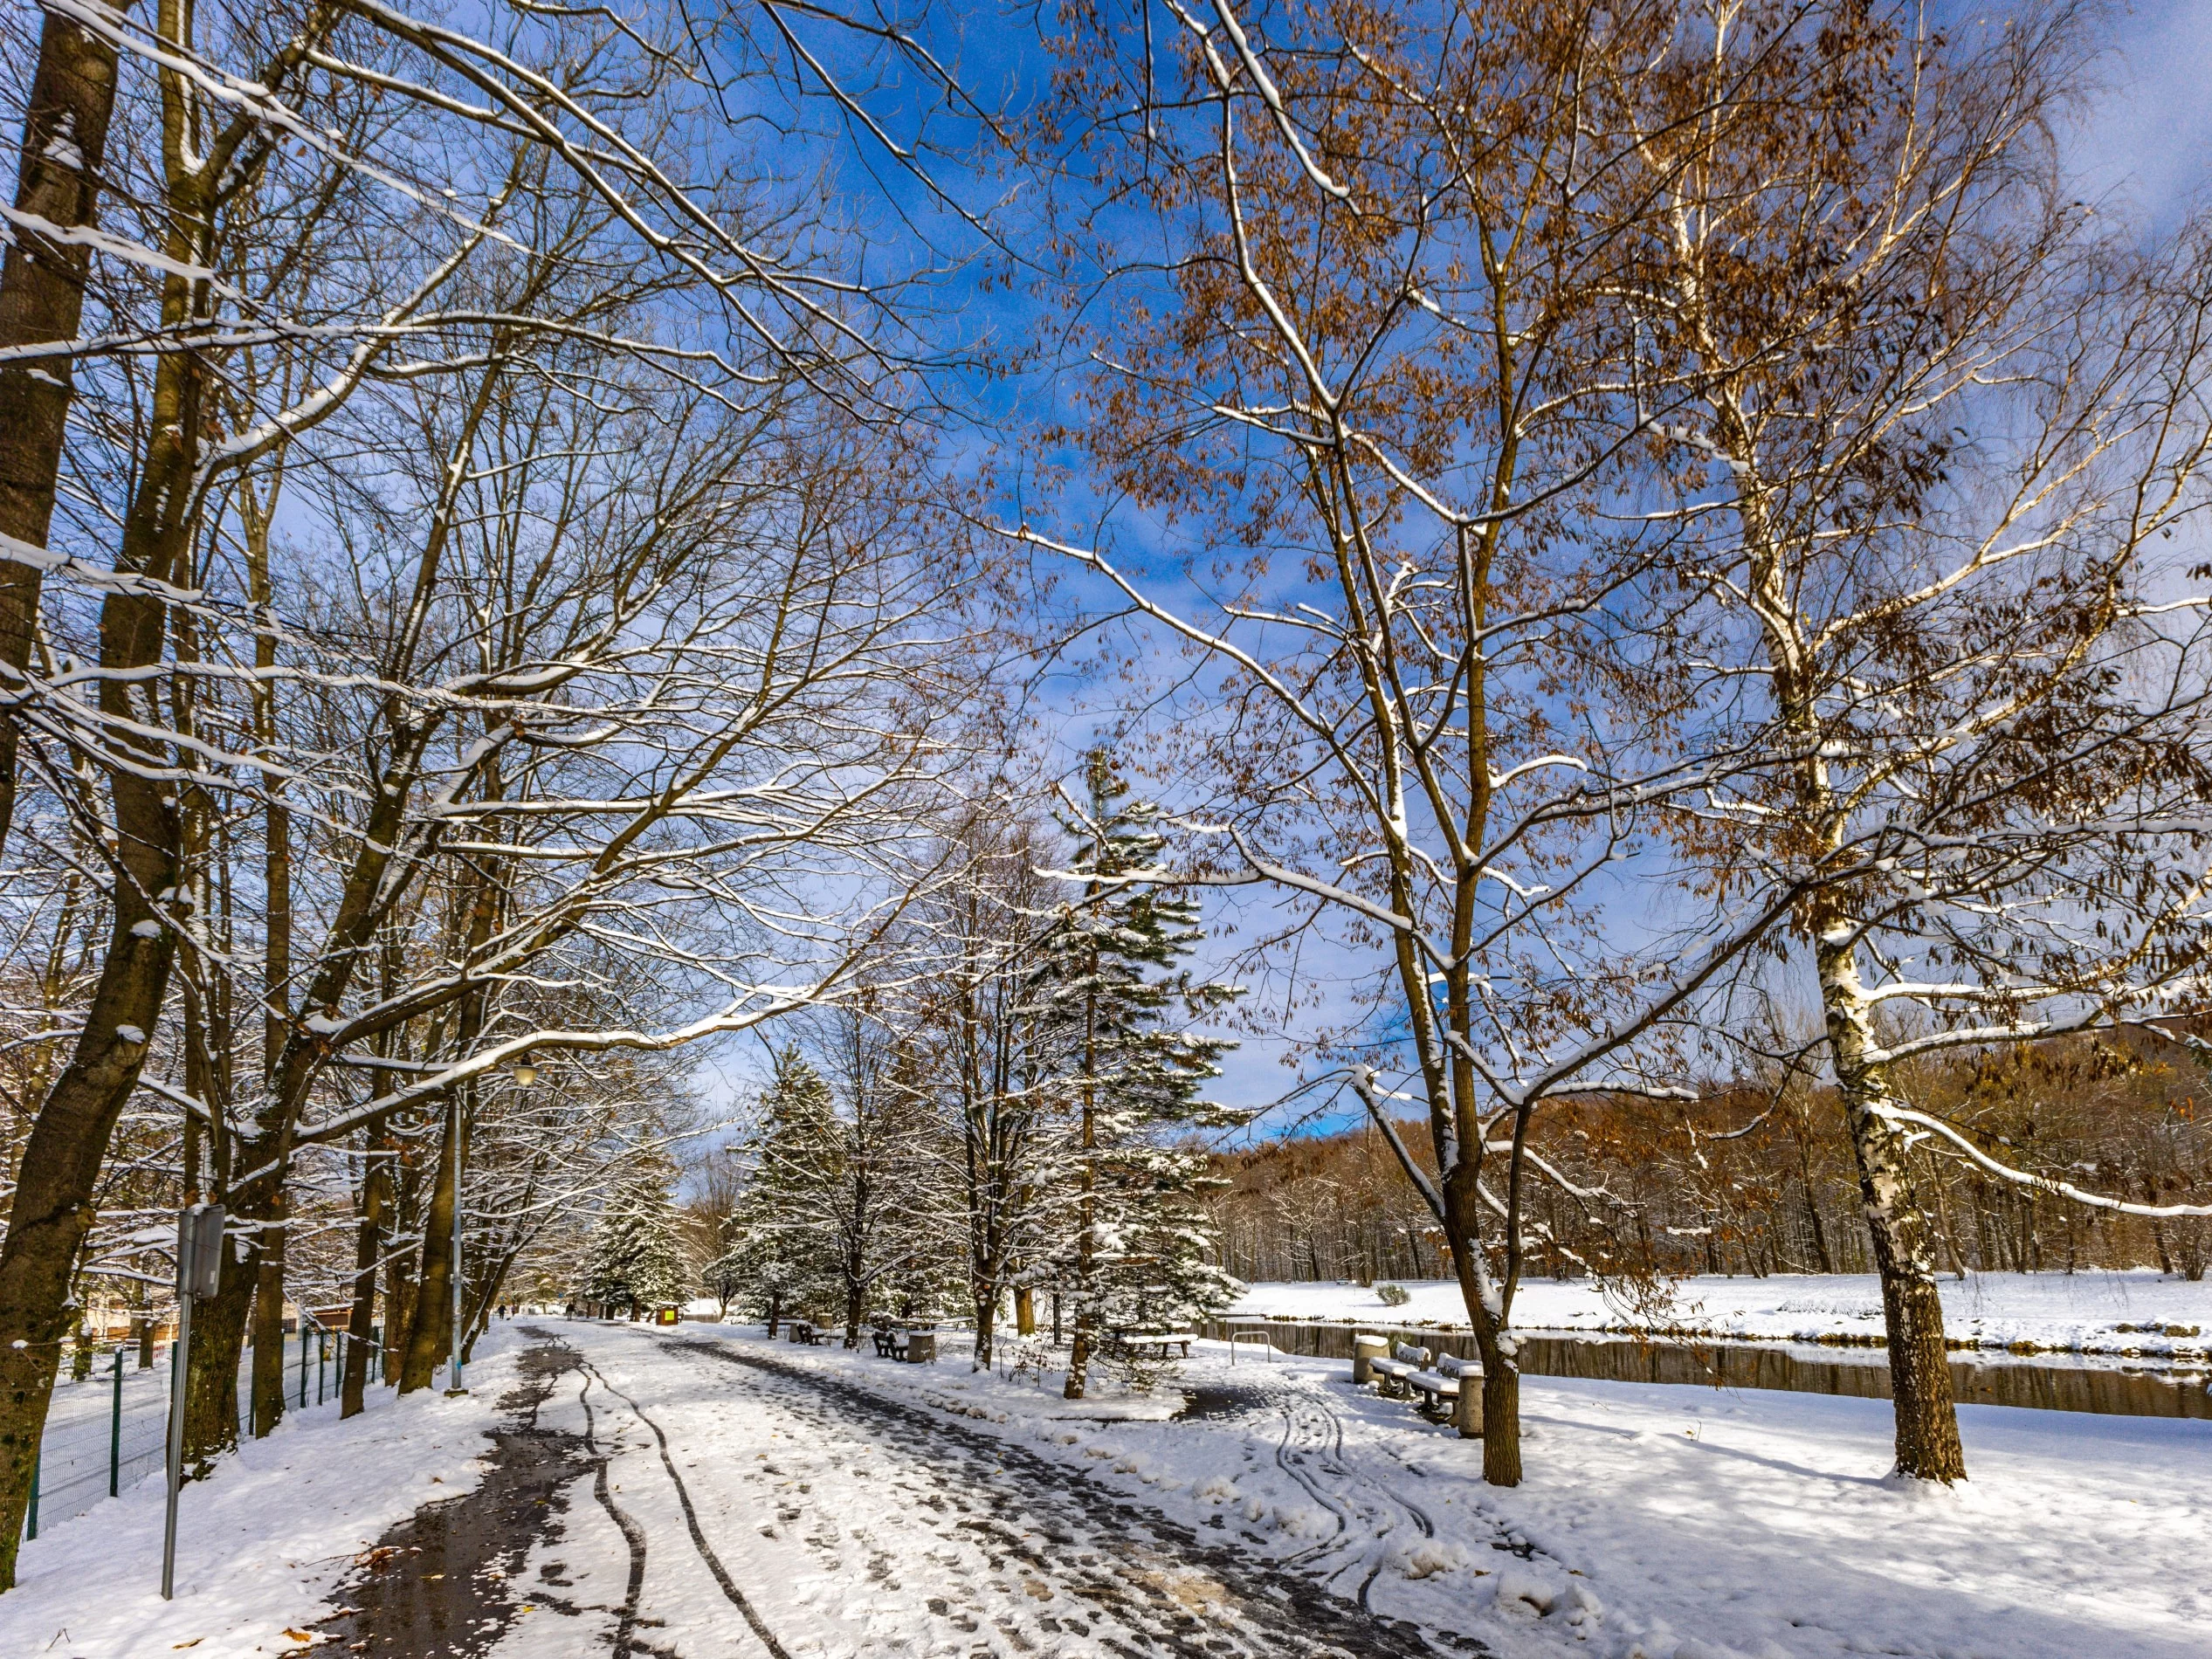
(804, 1331)
(884, 1339)
(1157, 1341)
(1439, 1388)
(1405, 1363)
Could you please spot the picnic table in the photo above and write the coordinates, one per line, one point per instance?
(1155, 1341)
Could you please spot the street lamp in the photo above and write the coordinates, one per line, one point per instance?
(525, 1072)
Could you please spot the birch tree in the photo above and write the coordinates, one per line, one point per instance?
(1945, 420)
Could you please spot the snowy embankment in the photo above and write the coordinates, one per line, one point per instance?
(1657, 1522)
(2136, 1312)
(262, 1542)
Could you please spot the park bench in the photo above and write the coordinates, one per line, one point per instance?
(1156, 1342)
(805, 1331)
(1439, 1388)
(885, 1338)
(1405, 1362)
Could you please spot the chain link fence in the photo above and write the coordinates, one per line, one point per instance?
(107, 1432)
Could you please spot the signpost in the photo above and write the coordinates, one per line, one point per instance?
(199, 1272)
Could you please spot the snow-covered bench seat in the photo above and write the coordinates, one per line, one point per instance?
(1157, 1341)
(1440, 1388)
(1405, 1362)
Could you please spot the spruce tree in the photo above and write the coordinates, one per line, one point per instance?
(1143, 1238)
(636, 1260)
(782, 1253)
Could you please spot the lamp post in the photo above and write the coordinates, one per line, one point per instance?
(525, 1072)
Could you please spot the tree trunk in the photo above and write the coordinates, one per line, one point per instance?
(361, 1324)
(986, 1306)
(211, 1376)
(268, 1332)
(1500, 1369)
(1897, 1225)
(429, 1335)
(1024, 1312)
(42, 298)
(1086, 1211)
(52, 1210)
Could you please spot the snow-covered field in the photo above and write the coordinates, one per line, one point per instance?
(261, 1544)
(1663, 1522)
(2134, 1312)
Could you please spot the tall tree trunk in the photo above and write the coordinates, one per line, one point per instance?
(42, 301)
(211, 1374)
(431, 1333)
(268, 1331)
(403, 1270)
(1079, 1352)
(52, 1208)
(1501, 1366)
(1927, 1413)
(367, 1246)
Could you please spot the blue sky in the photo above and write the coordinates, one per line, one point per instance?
(2138, 145)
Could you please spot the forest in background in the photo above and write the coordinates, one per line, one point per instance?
(1755, 1181)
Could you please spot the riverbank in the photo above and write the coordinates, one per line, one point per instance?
(2135, 1313)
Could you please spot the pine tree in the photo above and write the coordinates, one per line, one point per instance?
(1143, 1238)
(636, 1260)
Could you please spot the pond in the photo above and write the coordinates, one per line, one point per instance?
(2049, 1382)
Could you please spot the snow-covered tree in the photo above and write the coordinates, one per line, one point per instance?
(1143, 1239)
(637, 1259)
(1937, 555)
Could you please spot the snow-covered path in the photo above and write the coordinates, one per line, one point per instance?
(758, 1506)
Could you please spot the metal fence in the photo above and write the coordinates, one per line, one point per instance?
(110, 1431)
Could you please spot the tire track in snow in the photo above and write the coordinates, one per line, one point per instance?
(1140, 1571)
(713, 1562)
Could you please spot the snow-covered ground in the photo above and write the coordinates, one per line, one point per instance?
(260, 1545)
(863, 1508)
(2135, 1313)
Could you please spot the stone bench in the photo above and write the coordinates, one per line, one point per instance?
(1404, 1363)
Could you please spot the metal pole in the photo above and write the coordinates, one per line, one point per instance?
(322, 1364)
(176, 1352)
(37, 1466)
(303, 1357)
(115, 1433)
(453, 1369)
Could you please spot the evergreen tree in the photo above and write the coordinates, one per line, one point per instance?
(782, 1256)
(636, 1260)
(1143, 1238)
